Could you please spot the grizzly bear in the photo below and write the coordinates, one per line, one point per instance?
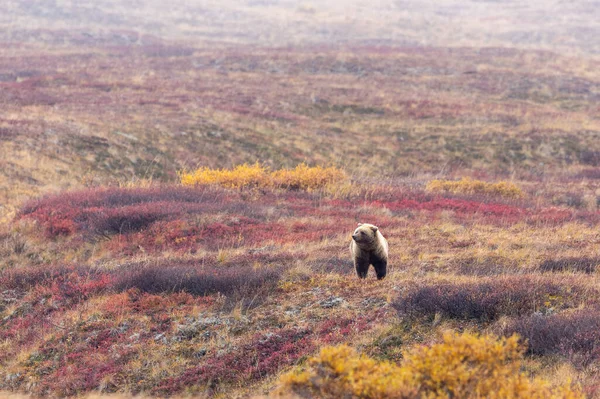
(369, 247)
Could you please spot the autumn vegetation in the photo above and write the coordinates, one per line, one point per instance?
(177, 196)
(199, 288)
(470, 186)
(465, 366)
(302, 177)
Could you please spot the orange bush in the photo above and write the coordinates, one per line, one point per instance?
(462, 366)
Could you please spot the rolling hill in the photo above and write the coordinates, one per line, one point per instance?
(467, 131)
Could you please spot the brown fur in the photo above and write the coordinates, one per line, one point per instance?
(369, 247)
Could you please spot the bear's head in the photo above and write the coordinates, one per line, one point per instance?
(365, 235)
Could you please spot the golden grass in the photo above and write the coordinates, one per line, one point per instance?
(469, 186)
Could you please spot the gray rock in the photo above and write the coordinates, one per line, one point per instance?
(200, 353)
(331, 302)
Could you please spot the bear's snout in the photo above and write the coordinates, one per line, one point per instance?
(355, 237)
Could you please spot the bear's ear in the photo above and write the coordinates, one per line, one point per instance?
(375, 228)
(360, 224)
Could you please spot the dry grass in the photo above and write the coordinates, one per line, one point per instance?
(470, 186)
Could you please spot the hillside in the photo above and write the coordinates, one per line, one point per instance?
(101, 113)
(138, 257)
(95, 92)
(171, 289)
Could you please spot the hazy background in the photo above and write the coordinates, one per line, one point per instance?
(572, 26)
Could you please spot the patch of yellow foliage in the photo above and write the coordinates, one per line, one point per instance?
(461, 366)
(469, 186)
(239, 177)
(302, 177)
(307, 178)
(340, 372)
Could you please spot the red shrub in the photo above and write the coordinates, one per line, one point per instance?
(136, 301)
(240, 282)
(490, 265)
(573, 335)
(60, 227)
(42, 291)
(338, 330)
(335, 264)
(460, 206)
(551, 216)
(584, 264)
(487, 299)
(264, 356)
(592, 174)
(22, 328)
(62, 281)
(8, 133)
(84, 365)
(233, 233)
(115, 211)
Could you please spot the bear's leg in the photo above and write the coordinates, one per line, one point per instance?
(362, 267)
(380, 268)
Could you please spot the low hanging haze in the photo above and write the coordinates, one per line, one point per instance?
(572, 26)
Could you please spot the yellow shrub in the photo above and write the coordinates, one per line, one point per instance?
(340, 372)
(239, 177)
(302, 177)
(471, 366)
(469, 186)
(462, 366)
